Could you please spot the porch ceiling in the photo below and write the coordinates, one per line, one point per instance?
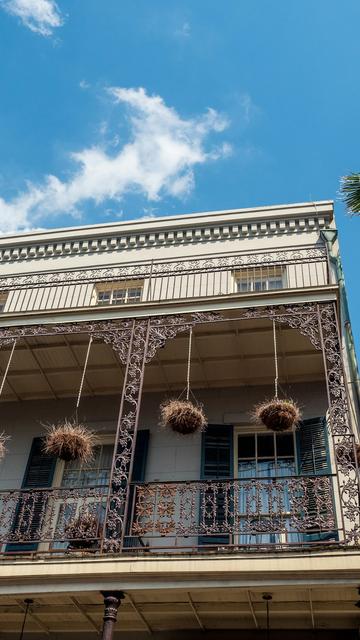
(152, 611)
(228, 353)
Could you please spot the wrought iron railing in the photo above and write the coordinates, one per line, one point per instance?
(39, 519)
(258, 513)
(166, 280)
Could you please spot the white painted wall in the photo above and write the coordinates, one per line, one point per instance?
(171, 457)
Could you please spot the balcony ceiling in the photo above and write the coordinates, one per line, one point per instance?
(228, 353)
(153, 611)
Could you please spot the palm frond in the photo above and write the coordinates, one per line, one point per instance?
(350, 191)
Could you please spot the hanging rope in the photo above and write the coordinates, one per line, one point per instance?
(188, 366)
(276, 362)
(7, 366)
(83, 375)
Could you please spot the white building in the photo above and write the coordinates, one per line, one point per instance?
(192, 530)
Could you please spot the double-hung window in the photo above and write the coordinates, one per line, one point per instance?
(264, 506)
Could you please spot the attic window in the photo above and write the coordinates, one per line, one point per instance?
(266, 278)
(117, 293)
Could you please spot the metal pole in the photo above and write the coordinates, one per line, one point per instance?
(27, 602)
(112, 601)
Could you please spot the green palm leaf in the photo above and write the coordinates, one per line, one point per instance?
(350, 191)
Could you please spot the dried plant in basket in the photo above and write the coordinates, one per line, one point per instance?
(3, 439)
(278, 415)
(182, 416)
(82, 531)
(70, 441)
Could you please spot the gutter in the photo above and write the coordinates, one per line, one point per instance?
(330, 236)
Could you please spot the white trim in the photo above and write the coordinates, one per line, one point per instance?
(175, 230)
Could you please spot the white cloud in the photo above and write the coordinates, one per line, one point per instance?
(158, 160)
(184, 31)
(41, 16)
(249, 109)
(83, 84)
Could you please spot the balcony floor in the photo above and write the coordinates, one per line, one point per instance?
(169, 598)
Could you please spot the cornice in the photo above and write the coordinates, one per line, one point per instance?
(175, 230)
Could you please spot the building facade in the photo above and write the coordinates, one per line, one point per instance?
(234, 528)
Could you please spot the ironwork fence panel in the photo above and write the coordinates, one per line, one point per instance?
(254, 512)
(260, 513)
(38, 519)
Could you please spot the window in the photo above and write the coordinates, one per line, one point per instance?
(116, 293)
(262, 507)
(267, 455)
(264, 278)
(3, 298)
(94, 473)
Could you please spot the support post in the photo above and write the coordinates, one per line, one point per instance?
(112, 601)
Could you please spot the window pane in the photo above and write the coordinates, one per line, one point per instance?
(246, 447)
(134, 294)
(260, 285)
(265, 446)
(103, 297)
(118, 296)
(276, 283)
(95, 473)
(285, 444)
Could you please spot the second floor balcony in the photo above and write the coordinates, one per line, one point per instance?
(235, 486)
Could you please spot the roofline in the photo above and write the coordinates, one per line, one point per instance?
(291, 210)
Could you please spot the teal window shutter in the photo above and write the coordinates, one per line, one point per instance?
(314, 460)
(140, 457)
(217, 463)
(138, 475)
(313, 448)
(39, 473)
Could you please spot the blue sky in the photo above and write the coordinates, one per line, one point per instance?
(115, 109)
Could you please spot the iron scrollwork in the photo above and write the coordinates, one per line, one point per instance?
(146, 338)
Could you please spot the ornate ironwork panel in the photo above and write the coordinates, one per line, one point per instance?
(146, 338)
(340, 423)
(269, 511)
(159, 268)
(44, 515)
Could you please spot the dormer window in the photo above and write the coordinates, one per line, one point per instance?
(260, 279)
(116, 293)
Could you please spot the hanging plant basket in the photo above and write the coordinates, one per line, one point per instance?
(82, 531)
(182, 416)
(3, 439)
(278, 415)
(70, 441)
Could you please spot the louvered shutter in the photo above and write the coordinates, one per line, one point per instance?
(217, 464)
(141, 450)
(314, 459)
(313, 450)
(39, 473)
